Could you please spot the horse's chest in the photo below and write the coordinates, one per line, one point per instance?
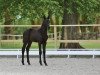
(44, 38)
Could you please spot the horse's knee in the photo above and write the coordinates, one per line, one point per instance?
(43, 51)
(27, 48)
(40, 52)
(23, 52)
(23, 48)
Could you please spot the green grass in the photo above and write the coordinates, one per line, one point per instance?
(49, 45)
(19, 45)
(91, 45)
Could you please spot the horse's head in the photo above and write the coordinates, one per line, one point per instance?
(46, 21)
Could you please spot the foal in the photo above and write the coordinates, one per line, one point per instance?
(40, 36)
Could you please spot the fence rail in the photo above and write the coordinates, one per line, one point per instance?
(50, 25)
(50, 52)
(55, 39)
(55, 32)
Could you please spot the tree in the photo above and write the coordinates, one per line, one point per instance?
(32, 9)
(5, 8)
(72, 11)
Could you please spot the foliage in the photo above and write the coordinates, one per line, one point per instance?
(28, 8)
(89, 9)
(37, 8)
(86, 8)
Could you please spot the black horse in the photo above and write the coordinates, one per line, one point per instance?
(40, 36)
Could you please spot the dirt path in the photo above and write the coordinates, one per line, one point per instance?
(57, 66)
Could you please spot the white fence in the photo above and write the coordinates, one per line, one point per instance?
(50, 52)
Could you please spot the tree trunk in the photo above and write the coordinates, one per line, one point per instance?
(69, 33)
(88, 32)
(57, 20)
(98, 20)
(38, 22)
(33, 21)
(51, 20)
(8, 21)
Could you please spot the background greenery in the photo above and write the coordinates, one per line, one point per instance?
(50, 45)
(30, 12)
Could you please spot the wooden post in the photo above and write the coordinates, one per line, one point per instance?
(0, 37)
(55, 36)
(14, 37)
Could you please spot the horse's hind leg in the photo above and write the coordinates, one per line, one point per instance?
(23, 50)
(27, 50)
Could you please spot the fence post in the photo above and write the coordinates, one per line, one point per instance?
(68, 54)
(55, 36)
(18, 54)
(93, 54)
(0, 36)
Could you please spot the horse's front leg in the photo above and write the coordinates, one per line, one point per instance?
(40, 53)
(23, 50)
(27, 50)
(44, 53)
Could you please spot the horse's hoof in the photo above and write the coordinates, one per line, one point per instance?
(46, 64)
(40, 63)
(23, 63)
(29, 64)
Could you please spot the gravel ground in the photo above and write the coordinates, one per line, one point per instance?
(56, 66)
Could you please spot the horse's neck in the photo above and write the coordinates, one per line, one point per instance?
(43, 30)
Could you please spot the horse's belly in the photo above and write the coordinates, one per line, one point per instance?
(35, 39)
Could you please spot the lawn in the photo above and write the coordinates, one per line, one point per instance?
(19, 45)
(14, 45)
(91, 45)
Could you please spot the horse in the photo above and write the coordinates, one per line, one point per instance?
(40, 36)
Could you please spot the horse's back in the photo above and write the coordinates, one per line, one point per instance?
(31, 35)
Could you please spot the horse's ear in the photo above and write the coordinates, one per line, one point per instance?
(44, 17)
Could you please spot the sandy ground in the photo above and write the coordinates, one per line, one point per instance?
(56, 66)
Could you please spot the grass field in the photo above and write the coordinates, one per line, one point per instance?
(91, 45)
(19, 45)
(9, 45)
